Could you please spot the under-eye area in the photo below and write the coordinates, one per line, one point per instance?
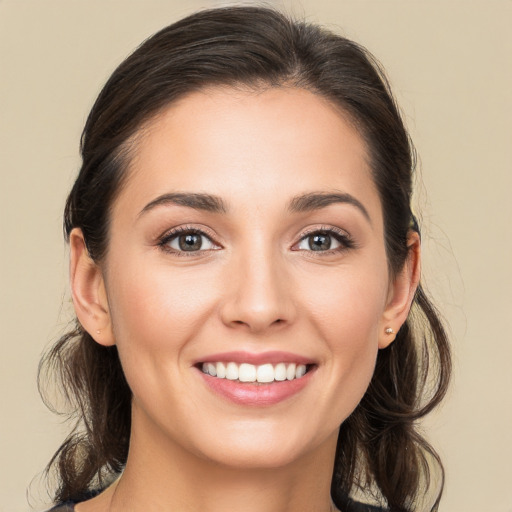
(256, 374)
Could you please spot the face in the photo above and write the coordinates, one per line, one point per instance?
(248, 243)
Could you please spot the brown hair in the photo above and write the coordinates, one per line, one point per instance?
(379, 446)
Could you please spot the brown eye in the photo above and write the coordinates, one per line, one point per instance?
(188, 241)
(320, 241)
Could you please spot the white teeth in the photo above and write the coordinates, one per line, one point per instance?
(221, 370)
(246, 372)
(232, 371)
(280, 372)
(290, 371)
(210, 369)
(299, 372)
(265, 373)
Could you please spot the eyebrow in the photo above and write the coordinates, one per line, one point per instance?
(197, 201)
(318, 200)
(214, 204)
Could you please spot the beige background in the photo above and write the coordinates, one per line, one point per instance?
(450, 65)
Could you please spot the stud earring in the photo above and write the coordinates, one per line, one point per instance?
(98, 332)
(389, 331)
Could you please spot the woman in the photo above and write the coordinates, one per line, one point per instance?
(251, 333)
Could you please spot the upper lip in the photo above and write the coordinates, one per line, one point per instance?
(272, 357)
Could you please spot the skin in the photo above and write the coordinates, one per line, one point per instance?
(257, 286)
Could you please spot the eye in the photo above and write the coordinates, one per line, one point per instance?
(187, 240)
(324, 241)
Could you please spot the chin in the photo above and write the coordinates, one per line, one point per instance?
(255, 457)
(264, 448)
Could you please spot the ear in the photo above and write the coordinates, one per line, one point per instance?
(88, 291)
(401, 292)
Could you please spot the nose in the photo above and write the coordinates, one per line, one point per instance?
(258, 295)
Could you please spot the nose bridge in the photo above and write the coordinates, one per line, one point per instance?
(258, 295)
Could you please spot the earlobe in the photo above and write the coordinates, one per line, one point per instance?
(88, 291)
(401, 292)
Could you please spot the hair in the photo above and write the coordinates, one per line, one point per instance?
(380, 451)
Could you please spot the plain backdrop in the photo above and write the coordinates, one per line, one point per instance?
(450, 65)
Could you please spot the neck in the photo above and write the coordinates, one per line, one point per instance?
(161, 475)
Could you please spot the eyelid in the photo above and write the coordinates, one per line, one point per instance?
(324, 229)
(339, 234)
(164, 239)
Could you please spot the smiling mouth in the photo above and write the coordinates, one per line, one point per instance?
(256, 374)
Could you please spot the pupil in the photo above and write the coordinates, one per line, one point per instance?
(190, 242)
(320, 242)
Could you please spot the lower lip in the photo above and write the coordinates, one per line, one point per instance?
(256, 394)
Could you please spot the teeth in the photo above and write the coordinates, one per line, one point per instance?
(265, 373)
(232, 371)
(299, 372)
(246, 372)
(280, 372)
(211, 369)
(221, 370)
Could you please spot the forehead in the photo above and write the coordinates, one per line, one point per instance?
(251, 146)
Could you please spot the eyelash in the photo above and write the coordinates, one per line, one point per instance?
(343, 238)
(183, 230)
(340, 236)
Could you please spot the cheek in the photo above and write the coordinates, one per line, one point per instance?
(158, 309)
(156, 315)
(347, 304)
(346, 309)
